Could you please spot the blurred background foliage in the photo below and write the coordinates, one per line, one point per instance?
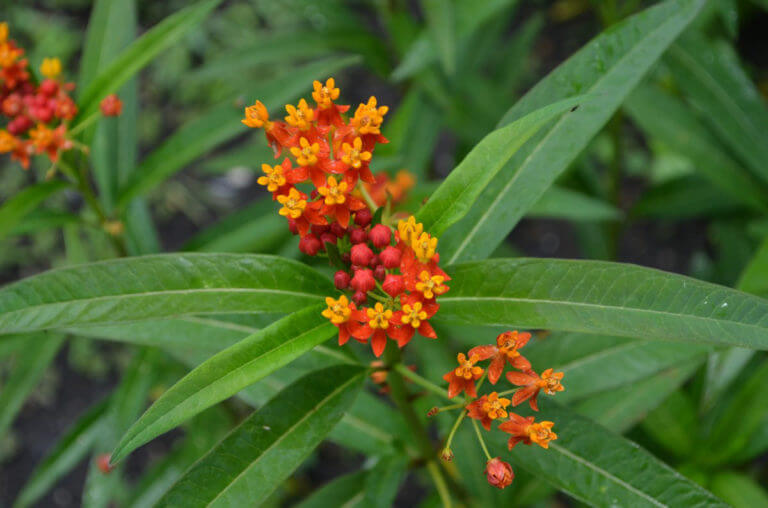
(677, 180)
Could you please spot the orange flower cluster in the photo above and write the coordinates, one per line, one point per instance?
(36, 114)
(494, 406)
(332, 152)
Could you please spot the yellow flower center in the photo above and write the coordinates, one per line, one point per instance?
(378, 318)
(338, 311)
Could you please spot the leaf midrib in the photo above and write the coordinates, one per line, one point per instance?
(484, 217)
(289, 431)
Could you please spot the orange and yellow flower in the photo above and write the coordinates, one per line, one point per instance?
(527, 431)
(463, 377)
(531, 384)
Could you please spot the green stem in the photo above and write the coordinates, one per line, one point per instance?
(455, 427)
(508, 392)
(367, 197)
(424, 383)
(85, 123)
(440, 485)
(482, 441)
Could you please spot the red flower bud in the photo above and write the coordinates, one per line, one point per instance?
(12, 105)
(111, 105)
(363, 217)
(346, 258)
(390, 257)
(341, 279)
(310, 245)
(328, 238)
(393, 284)
(380, 235)
(359, 298)
(49, 87)
(499, 473)
(363, 280)
(292, 227)
(358, 235)
(338, 230)
(361, 254)
(102, 462)
(319, 230)
(375, 261)
(379, 272)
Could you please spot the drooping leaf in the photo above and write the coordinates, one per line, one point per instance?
(160, 286)
(603, 298)
(219, 125)
(13, 211)
(140, 53)
(684, 198)
(662, 116)
(347, 491)
(621, 408)
(563, 203)
(711, 76)
(674, 424)
(456, 195)
(63, 457)
(600, 468)
(265, 449)
(441, 25)
(31, 364)
(383, 482)
(609, 67)
(739, 490)
(228, 372)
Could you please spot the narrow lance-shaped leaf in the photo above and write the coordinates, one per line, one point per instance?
(140, 53)
(603, 298)
(19, 206)
(265, 449)
(347, 491)
(227, 373)
(608, 67)
(598, 467)
(456, 195)
(159, 286)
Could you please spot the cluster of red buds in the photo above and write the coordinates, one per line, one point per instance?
(493, 406)
(36, 112)
(396, 268)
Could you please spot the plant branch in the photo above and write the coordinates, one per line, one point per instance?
(417, 379)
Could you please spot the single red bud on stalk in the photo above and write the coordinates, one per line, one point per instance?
(102, 462)
(380, 235)
(363, 280)
(393, 284)
(310, 245)
(379, 272)
(363, 217)
(499, 473)
(360, 298)
(361, 254)
(390, 257)
(49, 87)
(341, 279)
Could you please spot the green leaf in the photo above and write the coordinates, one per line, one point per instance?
(563, 203)
(621, 408)
(140, 53)
(347, 491)
(30, 366)
(13, 210)
(754, 279)
(265, 449)
(160, 286)
(456, 195)
(711, 76)
(125, 404)
(112, 27)
(665, 118)
(44, 219)
(227, 373)
(383, 482)
(441, 24)
(739, 490)
(674, 424)
(65, 455)
(600, 468)
(608, 67)
(684, 198)
(603, 298)
(221, 124)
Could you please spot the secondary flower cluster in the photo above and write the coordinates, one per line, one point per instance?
(36, 114)
(332, 152)
(493, 406)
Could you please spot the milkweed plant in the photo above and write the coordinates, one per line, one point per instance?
(383, 311)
